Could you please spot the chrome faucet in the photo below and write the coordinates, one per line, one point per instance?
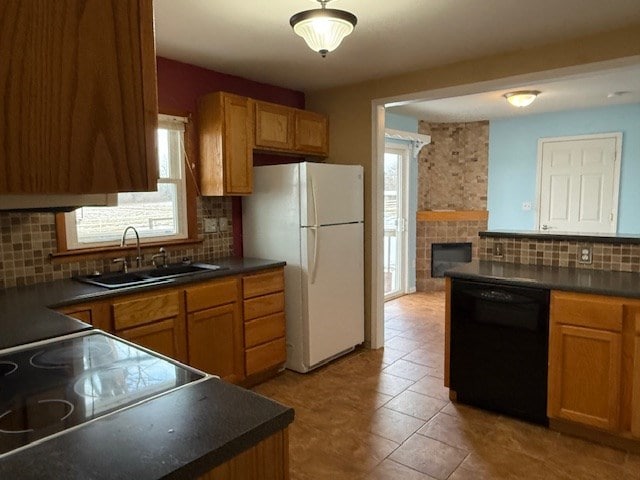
(124, 238)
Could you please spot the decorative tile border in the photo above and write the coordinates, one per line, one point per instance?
(561, 253)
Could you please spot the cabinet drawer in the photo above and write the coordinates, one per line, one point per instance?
(263, 283)
(212, 294)
(263, 329)
(262, 306)
(592, 311)
(145, 310)
(266, 356)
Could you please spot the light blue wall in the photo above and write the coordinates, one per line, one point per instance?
(408, 124)
(513, 145)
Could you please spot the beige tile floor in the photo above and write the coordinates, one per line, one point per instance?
(385, 415)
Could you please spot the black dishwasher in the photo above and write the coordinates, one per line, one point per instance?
(499, 347)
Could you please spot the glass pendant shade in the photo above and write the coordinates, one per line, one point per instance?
(522, 98)
(323, 29)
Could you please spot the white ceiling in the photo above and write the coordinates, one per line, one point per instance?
(253, 39)
(570, 93)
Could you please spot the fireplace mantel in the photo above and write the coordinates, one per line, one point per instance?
(451, 215)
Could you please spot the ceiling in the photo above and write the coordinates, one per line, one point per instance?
(570, 93)
(253, 39)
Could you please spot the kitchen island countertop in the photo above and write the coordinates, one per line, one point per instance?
(622, 284)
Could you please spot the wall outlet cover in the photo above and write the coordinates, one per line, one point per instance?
(585, 254)
(223, 224)
(210, 225)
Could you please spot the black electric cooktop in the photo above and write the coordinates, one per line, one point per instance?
(49, 387)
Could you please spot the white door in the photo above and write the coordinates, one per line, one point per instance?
(333, 291)
(395, 221)
(578, 183)
(334, 194)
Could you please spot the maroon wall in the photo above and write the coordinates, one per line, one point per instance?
(181, 84)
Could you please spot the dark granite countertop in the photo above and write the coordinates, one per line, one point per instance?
(563, 236)
(176, 436)
(622, 284)
(26, 315)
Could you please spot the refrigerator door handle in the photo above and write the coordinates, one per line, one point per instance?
(315, 231)
(315, 202)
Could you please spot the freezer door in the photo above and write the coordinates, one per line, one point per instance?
(333, 291)
(330, 194)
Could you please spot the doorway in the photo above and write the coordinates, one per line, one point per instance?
(396, 167)
(578, 182)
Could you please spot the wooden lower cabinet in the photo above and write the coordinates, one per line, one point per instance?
(215, 330)
(231, 327)
(594, 362)
(264, 322)
(165, 337)
(267, 460)
(215, 342)
(585, 376)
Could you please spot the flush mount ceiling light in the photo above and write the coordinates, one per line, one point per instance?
(323, 29)
(521, 98)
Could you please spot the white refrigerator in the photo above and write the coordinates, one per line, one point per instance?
(311, 216)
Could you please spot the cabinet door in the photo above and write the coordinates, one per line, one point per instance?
(166, 337)
(215, 342)
(311, 133)
(97, 314)
(274, 126)
(584, 376)
(635, 373)
(238, 139)
(79, 111)
(225, 124)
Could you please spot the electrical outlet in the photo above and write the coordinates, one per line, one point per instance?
(497, 249)
(526, 206)
(210, 225)
(585, 255)
(223, 224)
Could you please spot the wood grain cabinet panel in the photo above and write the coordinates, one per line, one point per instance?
(594, 362)
(225, 123)
(311, 133)
(215, 330)
(585, 376)
(145, 308)
(79, 110)
(215, 342)
(264, 322)
(97, 314)
(274, 126)
(165, 337)
(264, 305)
(267, 460)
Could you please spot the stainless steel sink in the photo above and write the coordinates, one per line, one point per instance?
(143, 277)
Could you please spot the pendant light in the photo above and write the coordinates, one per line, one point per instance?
(522, 98)
(323, 29)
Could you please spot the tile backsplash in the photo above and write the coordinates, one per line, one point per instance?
(28, 239)
(562, 253)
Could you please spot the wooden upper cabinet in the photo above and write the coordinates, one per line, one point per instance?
(226, 122)
(274, 126)
(311, 133)
(79, 111)
(290, 130)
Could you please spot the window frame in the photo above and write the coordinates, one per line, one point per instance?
(188, 207)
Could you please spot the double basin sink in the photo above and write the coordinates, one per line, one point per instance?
(152, 275)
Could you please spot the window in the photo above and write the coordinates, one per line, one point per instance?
(157, 216)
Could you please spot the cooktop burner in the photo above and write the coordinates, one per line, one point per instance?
(48, 387)
(35, 416)
(7, 368)
(93, 353)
